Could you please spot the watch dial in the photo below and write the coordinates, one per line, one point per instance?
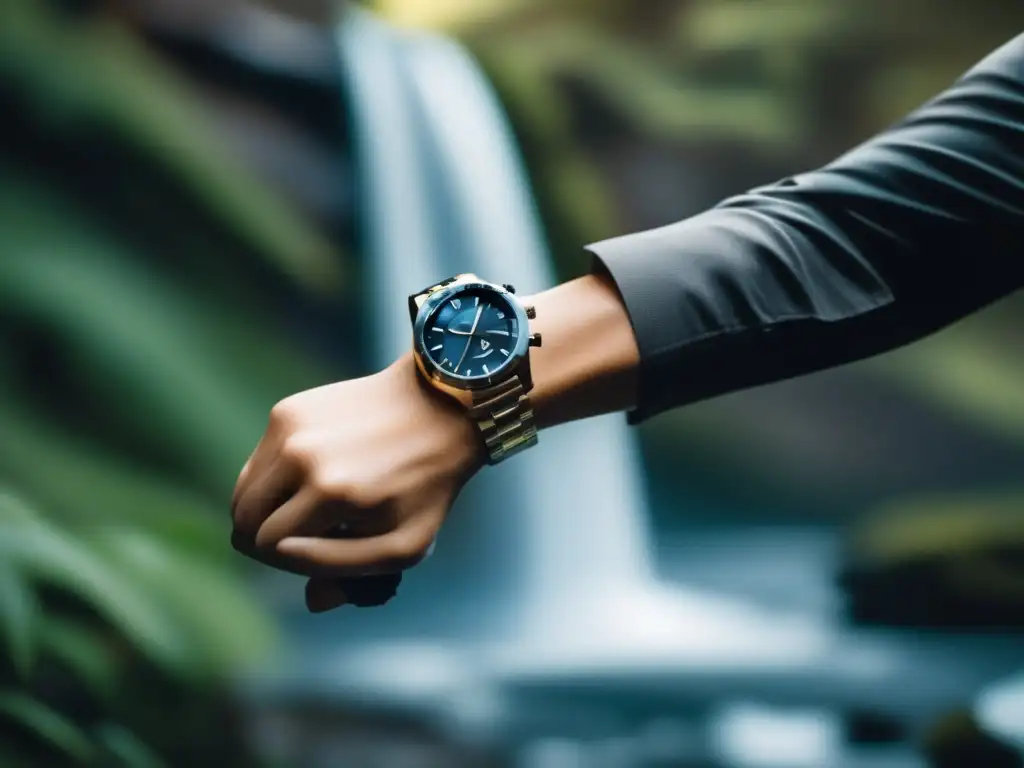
(472, 335)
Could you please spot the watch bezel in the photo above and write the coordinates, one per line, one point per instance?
(435, 301)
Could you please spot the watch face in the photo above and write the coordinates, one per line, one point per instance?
(473, 334)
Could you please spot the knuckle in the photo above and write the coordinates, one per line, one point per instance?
(299, 452)
(363, 498)
(328, 483)
(353, 493)
(284, 414)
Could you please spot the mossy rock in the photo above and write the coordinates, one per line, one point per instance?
(958, 741)
(946, 562)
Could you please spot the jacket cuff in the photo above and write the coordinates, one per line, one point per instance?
(731, 299)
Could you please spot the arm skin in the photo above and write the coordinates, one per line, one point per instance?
(918, 227)
(589, 362)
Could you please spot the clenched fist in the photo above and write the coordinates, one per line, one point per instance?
(354, 479)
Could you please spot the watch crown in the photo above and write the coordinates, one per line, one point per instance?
(509, 287)
(535, 339)
(531, 313)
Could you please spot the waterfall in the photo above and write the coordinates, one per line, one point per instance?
(446, 192)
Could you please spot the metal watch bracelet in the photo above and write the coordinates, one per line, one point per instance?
(504, 416)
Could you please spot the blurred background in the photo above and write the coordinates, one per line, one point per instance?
(205, 207)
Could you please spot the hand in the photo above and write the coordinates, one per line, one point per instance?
(381, 457)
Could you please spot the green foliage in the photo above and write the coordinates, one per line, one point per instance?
(142, 585)
(83, 77)
(142, 278)
(61, 735)
(572, 199)
(95, 601)
(19, 617)
(651, 89)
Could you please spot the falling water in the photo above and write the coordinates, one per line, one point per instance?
(449, 196)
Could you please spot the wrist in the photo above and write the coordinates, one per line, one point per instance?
(452, 435)
(586, 367)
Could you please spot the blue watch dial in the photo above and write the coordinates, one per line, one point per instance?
(472, 335)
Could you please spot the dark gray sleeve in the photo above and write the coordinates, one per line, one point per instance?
(916, 228)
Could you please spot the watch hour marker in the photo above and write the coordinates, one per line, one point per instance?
(501, 315)
(469, 371)
(435, 329)
(439, 346)
(504, 352)
(486, 369)
(476, 301)
(446, 360)
(499, 333)
(456, 303)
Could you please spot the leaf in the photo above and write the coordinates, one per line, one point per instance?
(54, 467)
(13, 757)
(19, 617)
(13, 510)
(128, 332)
(734, 25)
(48, 726)
(84, 652)
(226, 627)
(572, 197)
(644, 89)
(101, 78)
(126, 748)
(58, 558)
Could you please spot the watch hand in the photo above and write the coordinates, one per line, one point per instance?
(469, 341)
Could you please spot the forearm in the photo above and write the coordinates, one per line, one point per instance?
(589, 360)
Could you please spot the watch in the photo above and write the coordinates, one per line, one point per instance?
(471, 341)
